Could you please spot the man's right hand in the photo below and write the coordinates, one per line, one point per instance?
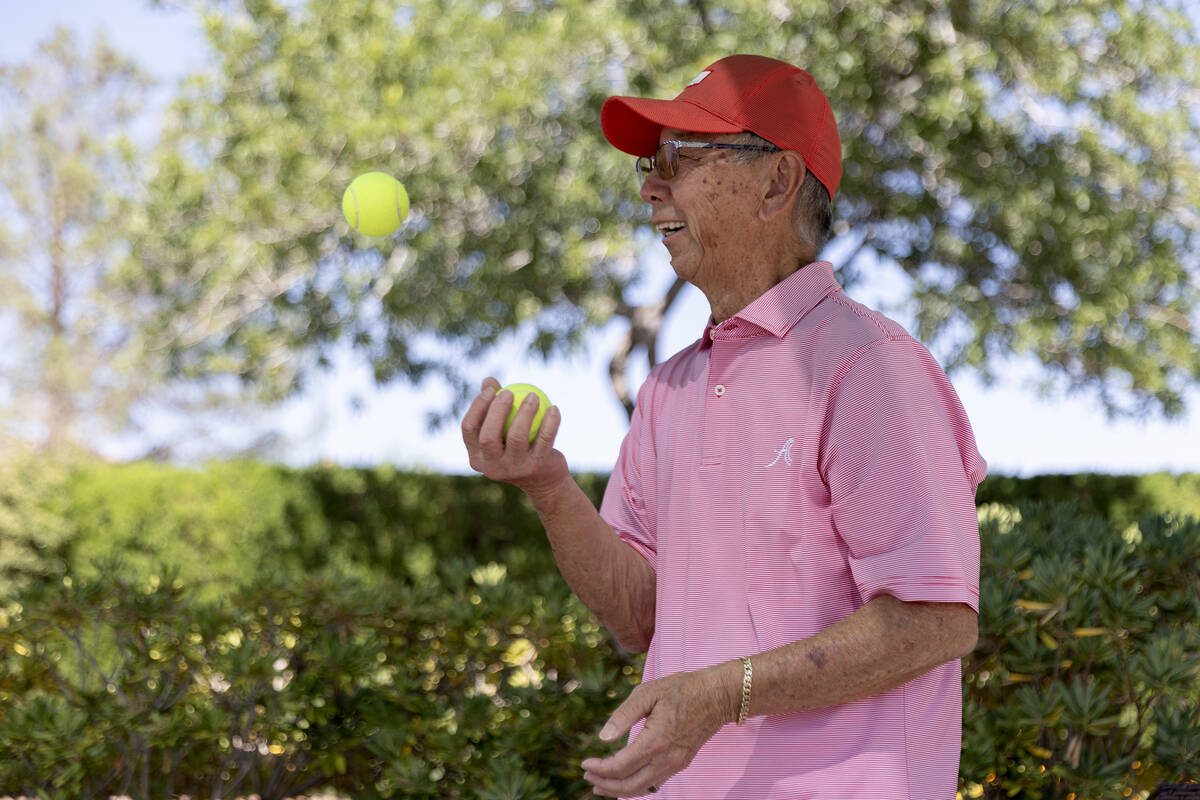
(611, 579)
(535, 468)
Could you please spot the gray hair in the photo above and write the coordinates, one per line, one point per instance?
(814, 212)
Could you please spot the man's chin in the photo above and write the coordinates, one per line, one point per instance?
(683, 267)
(680, 270)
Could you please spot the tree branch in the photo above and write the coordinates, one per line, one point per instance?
(701, 7)
(645, 322)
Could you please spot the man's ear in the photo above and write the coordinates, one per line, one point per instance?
(784, 181)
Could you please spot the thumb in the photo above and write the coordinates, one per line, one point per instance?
(636, 706)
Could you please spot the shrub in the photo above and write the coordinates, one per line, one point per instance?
(1086, 680)
(471, 686)
(217, 526)
(255, 629)
(232, 521)
(33, 538)
(1121, 499)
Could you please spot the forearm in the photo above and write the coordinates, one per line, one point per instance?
(884, 644)
(606, 574)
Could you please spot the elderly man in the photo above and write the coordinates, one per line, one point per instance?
(790, 530)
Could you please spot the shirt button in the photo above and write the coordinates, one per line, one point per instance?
(712, 334)
(719, 390)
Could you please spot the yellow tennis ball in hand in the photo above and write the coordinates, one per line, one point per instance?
(519, 392)
(375, 204)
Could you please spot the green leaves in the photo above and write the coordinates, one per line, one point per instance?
(373, 688)
(488, 118)
(1032, 168)
(265, 628)
(395, 635)
(1087, 708)
(1081, 683)
(513, 783)
(33, 536)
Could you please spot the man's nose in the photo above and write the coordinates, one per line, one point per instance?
(655, 189)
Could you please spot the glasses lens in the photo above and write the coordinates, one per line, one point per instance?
(667, 160)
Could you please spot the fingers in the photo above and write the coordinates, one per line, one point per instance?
(491, 433)
(546, 436)
(483, 423)
(676, 726)
(509, 455)
(635, 785)
(626, 761)
(638, 705)
(473, 420)
(630, 771)
(631, 759)
(518, 431)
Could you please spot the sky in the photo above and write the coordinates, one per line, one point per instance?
(344, 418)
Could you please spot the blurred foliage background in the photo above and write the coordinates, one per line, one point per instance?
(254, 629)
(1033, 166)
(247, 628)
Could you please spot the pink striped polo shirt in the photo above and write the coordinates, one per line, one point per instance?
(800, 459)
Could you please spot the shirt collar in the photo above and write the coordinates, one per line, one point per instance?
(783, 305)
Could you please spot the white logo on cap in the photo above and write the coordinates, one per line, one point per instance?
(700, 77)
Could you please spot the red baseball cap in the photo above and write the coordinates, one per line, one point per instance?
(771, 98)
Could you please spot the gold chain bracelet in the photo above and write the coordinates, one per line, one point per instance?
(747, 680)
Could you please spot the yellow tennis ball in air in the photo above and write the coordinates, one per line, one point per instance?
(375, 204)
(519, 392)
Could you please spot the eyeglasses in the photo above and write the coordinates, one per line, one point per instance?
(666, 158)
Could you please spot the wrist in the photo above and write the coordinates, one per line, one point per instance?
(543, 496)
(747, 687)
(729, 679)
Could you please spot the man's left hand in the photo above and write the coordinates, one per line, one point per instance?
(682, 712)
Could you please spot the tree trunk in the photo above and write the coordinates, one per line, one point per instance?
(645, 322)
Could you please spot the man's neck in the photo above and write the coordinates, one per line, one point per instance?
(727, 303)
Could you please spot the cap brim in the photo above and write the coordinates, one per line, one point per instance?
(633, 124)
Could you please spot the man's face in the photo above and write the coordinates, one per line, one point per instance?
(714, 199)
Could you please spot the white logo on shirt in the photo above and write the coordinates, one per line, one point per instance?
(784, 452)
(699, 77)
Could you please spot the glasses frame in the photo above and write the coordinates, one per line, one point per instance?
(668, 166)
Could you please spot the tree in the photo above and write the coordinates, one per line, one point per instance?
(67, 165)
(1032, 166)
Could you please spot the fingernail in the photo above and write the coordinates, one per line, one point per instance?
(608, 732)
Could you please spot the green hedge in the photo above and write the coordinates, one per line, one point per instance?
(1121, 499)
(252, 629)
(231, 521)
(1086, 679)
(472, 686)
(246, 516)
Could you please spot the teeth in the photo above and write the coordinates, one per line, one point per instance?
(669, 227)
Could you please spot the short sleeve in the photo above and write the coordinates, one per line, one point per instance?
(901, 464)
(628, 504)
